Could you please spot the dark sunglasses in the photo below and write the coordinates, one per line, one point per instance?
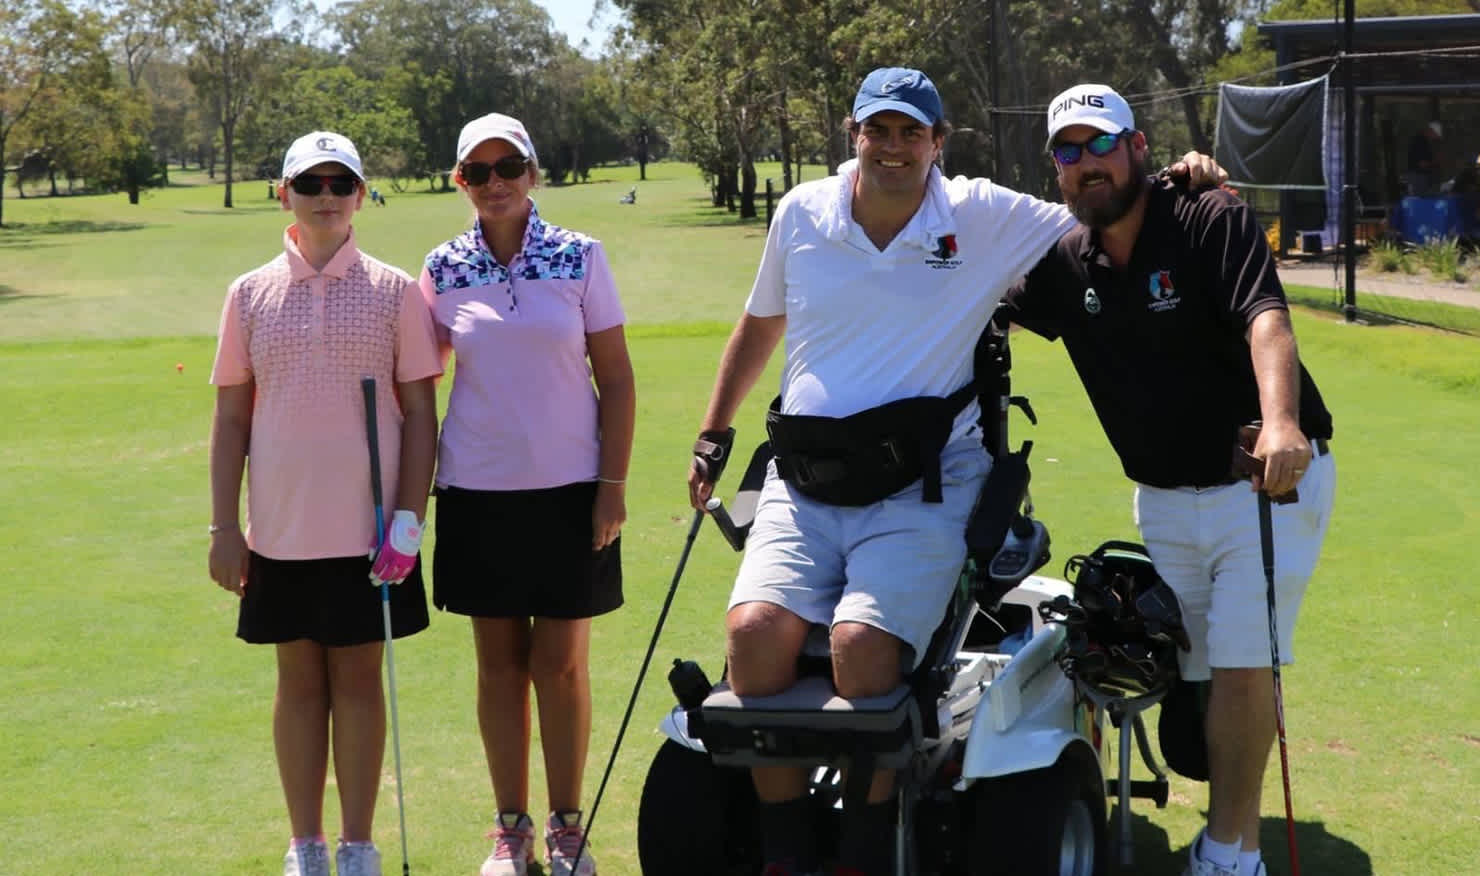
(341, 185)
(1099, 146)
(476, 173)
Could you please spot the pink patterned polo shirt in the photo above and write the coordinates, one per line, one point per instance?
(307, 338)
(522, 414)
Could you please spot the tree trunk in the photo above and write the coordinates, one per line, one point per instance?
(133, 194)
(51, 175)
(747, 185)
(642, 154)
(783, 127)
(228, 139)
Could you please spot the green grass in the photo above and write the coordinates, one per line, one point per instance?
(136, 727)
(1379, 308)
(96, 267)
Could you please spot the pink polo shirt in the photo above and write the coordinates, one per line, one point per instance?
(522, 413)
(307, 337)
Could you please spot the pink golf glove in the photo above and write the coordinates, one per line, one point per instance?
(398, 549)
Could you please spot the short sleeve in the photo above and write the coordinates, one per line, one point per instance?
(1030, 301)
(768, 294)
(1245, 267)
(233, 365)
(429, 297)
(417, 355)
(600, 304)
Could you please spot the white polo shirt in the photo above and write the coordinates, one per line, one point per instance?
(865, 327)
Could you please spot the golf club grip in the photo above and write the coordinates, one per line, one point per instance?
(372, 437)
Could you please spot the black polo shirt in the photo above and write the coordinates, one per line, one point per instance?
(1160, 346)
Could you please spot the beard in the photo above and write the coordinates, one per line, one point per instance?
(1106, 212)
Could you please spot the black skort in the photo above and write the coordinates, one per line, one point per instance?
(522, 553)
(330, 601)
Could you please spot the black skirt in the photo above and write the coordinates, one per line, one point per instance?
(523, 553)
(330, 601)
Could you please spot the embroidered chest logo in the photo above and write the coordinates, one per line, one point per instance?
(944, 256)
(1091, 302)
(1164, 296)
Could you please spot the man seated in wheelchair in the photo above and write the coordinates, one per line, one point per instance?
(879, 458)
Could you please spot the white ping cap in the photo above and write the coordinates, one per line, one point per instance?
(494, 126)
(1095, 105)
(319, 147)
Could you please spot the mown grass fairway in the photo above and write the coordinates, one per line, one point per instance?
(136, 728)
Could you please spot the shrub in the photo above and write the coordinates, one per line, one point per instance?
(1388, 256)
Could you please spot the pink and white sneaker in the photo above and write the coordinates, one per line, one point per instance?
(513, 846)
(563, 839)
(307, 858)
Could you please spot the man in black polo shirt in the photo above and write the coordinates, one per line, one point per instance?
(1168, 303)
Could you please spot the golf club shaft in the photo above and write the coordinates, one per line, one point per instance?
(1266, 545)
(683, 559)
(372, 438)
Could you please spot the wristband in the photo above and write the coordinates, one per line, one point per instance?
(712, 452)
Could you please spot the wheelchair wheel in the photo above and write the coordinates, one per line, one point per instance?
(696, 817)
(1046, 822)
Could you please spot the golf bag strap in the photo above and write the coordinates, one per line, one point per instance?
(868, 456)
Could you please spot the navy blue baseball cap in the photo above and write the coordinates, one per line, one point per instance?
(902, 90)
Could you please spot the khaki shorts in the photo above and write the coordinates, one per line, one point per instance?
(1205, 544)
(892, 565)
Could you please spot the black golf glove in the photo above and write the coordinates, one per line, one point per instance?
(712, 451)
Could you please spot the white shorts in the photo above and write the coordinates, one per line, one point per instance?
(892, 565)
(1205, 544)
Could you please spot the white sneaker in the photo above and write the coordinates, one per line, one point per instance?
(307, 859)
(564, 838)
(1198, 867)
(513, 846)
(357, 859)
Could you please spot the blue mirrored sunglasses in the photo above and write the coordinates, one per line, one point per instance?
(1099, 146)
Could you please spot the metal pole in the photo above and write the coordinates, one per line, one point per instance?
(995, 91)
(1349, 161)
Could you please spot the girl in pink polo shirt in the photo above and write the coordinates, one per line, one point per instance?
(530, 477)
(297, 336)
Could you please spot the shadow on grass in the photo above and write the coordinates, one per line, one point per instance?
(10, 293)
(701, 213)
(62, 226)
(1320, 850)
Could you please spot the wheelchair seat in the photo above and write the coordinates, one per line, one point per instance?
(809, 724)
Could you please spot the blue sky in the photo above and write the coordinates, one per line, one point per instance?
(570, 17)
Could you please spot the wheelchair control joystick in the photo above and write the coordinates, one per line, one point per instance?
(1024, 549)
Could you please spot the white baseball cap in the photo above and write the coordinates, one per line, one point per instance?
(1095, 105)
(494, 126)
(319, 147)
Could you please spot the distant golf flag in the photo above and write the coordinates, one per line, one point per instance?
(1274, 138)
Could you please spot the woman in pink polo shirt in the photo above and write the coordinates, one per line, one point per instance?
(530, 477)
(297, 336)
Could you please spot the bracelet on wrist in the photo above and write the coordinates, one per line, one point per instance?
(611, 480)
(221, 527)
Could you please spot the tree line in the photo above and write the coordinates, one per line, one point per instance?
(109, 94)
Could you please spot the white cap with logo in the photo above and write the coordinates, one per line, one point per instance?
(494, 126)
(1095, 105)
(319, 147)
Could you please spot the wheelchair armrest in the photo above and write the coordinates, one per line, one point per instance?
(1001, 496)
